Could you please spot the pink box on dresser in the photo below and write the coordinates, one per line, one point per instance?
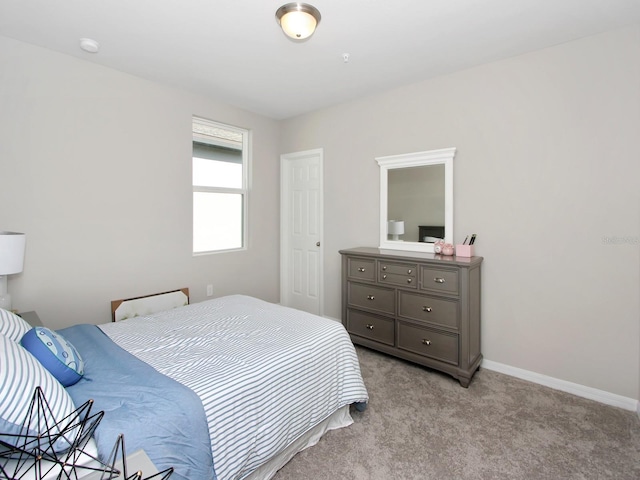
(465, 251)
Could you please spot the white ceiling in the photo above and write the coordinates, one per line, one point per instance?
(234, 50)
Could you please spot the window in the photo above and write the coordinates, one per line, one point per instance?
(220, 164)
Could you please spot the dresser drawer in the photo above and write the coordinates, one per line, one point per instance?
(401, 274)
(430, 343)
(371, 297)
(361, 268)
(429, 309)
(439, 280)
(407, 269)
(370, 326)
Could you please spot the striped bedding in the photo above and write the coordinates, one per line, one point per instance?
(265, 373)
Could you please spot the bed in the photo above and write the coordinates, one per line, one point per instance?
(229, 388)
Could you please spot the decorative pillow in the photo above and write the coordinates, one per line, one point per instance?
(20, 374)
(55, 353)
(12, 326)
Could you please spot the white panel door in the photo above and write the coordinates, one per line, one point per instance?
(301, 231)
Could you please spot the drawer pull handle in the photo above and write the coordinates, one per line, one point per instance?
(384, 277)
(361, 269)
(384, 268)
(371, 297)
(409, 280)
(427, 309)
(438, 280)
(426, 342)
(369, 326)
(409, 272)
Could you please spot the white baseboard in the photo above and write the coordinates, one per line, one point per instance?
(601, 396)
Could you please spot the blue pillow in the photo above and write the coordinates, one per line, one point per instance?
(55, 353)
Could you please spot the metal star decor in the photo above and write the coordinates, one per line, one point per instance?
(29, 456)
(119, 448)
(34, 455)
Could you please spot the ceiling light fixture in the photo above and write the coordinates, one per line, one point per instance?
(298, 20)
(89, 45)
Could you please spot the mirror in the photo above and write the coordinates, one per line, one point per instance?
(416, 199)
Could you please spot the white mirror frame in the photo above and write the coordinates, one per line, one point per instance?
(418, 159)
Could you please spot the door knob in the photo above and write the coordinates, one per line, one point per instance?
(317, 244)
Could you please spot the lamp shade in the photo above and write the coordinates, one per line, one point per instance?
(395, 227)
(12, 246)
(298, 20)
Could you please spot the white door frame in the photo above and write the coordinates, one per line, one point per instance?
(286, 162)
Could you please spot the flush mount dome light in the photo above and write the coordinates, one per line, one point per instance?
(298, 20)
(89, 45)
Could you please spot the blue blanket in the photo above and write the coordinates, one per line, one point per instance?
(154, 412)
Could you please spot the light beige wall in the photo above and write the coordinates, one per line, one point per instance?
(95, 168)
(546, 173)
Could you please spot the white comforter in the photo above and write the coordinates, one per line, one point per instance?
(265, 373)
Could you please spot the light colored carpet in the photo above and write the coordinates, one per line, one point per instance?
(421, 424)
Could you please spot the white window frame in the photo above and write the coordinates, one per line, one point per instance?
(244, 190)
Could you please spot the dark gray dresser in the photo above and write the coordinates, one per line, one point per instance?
(417, 306)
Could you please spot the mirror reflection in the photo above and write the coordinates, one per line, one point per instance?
(416, 197)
